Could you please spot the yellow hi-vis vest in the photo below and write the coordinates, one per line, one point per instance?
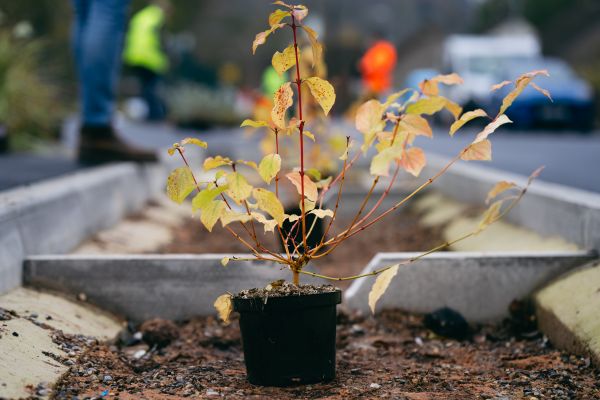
(142, 44)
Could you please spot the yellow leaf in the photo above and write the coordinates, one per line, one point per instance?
(211, 213)
(368, 117)
(454, 108)
(284, 61)
(520, 84)
(180, 184)
(293, 218)
(320, 213)
(314, 174)
(203, 199)
(261, 37)
(322, 91)
(269, 167)
(310, 188)
(428, 105)
(413, 160)
(268, 202)
(490, 215)
(250, 164)
(281, 3)
(308, 205)
(491, 127)
(268, 224)
(276, 16)
(281, 102)
(308, 135)
(380, 286)
(466, 117)
(380, 164)
(499, 188)
(224, 306)
(317, 49)
(253, 124)
(416, 125)
(215, 162)
(232, 216)
(344, 156)
(195, 141)
(224, 261)
(238, 188)
(478, 151)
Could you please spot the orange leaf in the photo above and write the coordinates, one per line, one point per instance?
(413, 160)
(416, 125)
(500, 85)
(478, 151)
(466, 117)
(499, 188)
(310, 188)
(520, 84)
(429, 87)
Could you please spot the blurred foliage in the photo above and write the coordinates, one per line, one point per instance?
(28, 106)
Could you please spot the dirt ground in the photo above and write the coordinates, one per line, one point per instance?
(400, 232)
(391, 356)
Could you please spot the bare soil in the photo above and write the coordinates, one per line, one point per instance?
(399, 232)
(391, 356)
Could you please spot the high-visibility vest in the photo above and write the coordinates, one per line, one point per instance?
(377, 66)
(142, 44)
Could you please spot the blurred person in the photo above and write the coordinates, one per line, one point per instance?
(145, 56)
(97, 41)
(377, 65)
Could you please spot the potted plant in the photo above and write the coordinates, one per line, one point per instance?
(288, 329)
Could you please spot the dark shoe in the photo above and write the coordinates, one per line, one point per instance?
(100, 145)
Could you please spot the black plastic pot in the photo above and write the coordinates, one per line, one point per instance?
(289, 340)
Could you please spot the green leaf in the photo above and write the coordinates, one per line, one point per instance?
(268, 202)
(204, 198)
(285, 60)
(269, 167)
(314, 174)
(238, 187)
(211, 213)
(322, 91)
(180, 184)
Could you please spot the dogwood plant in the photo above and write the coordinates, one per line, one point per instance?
(391, 127)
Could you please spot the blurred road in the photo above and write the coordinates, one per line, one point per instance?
(571, 159)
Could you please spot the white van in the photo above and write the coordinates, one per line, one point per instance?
(479, 59)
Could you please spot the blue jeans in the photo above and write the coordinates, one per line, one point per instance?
(97, 41)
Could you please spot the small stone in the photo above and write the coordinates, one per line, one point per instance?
(107, 378)
(419, 341)
(82, 297)
(211, 392)
(374, 386)
(139, 354)
(33, 315)
(15, 334)
(357, 330)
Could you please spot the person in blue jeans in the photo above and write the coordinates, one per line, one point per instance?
(98, 34)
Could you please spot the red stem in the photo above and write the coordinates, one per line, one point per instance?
(301, 129)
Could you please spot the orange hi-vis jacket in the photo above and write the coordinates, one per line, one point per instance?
(377, 66)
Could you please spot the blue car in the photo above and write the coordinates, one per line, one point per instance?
(573, 99)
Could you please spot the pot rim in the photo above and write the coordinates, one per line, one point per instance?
(290, 302)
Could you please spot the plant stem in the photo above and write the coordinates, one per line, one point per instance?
(301, 130)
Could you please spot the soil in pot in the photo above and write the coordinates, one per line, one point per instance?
(288, 333)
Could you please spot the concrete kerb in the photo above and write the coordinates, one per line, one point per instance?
(54, 216)
(481, 286)
(547, 208)
(146, 286)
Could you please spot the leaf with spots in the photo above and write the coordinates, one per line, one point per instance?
(322, 91)
(281, 102)
(211, 213)
(180, 184)
(282, 61)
